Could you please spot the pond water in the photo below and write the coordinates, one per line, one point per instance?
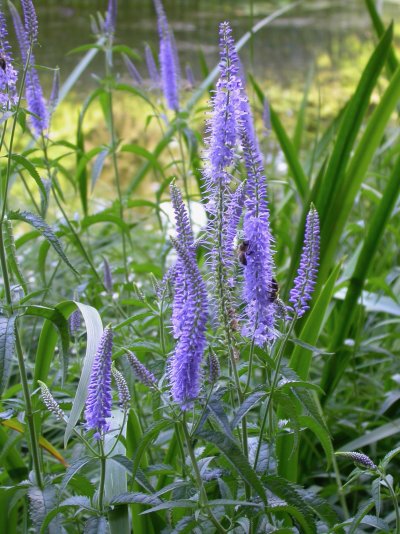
(281, 53)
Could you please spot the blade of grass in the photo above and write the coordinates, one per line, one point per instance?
(336, 365)
(392, 62)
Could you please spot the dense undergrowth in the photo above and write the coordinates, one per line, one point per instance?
(220, 354)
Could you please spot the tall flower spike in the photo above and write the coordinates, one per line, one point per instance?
(144, 375)
(307, 272)
(99, 400)
(50, 402)
(185, 365)
(111, 17)
(258, 270)
(123, 390)
(222, 126)
(8, 75)
(168, 59)
(151, 66)
(108, 281)
(31, 21)
(33, 89)
(131, 68)
(185, 236)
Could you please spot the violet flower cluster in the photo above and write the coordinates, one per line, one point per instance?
(304, 283)
(8, 75)
(258, 271)
(99, 399)
(190, 324)
(33, 90)
(168, 59)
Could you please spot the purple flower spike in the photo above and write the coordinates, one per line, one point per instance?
(258, 271)
(99, 400)
(111, 17)
(185, 236)
(31, 21)
(151, 66)
(307, 272)
(131, 68)
(190, 311)
(75, 322)
(144, 375)
(33, 91)
(108, 281)
(123, 390)
(222, 127)
(168, 59)
(185, 366)
(8, 75)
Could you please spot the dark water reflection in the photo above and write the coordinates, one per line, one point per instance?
(281, 52)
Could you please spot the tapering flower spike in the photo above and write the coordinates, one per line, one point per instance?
(75, 322)
(50, 402)
(168, 59)
(151, 66)
(111, 17)
(180, 280)
(31, 21)
(143, 374)
(304, 283)
(33, 90)
(258, 270)
(107, 278)
(190, 312)
(222, 127)
(8, 75)
(185, 367)
(131, 68)
(360, 459)
(123, 390)
(99, 399)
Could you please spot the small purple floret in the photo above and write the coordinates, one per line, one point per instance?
(99, 400)
(307, 272)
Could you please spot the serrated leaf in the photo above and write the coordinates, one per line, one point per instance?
(22, 160)
(235, 457)
(135, 497)
(217, 411)
(11, 254)
(150, 434)
(73, 469)
(182, 503)
(37, 222)
(7, 348)
(389, 457)
(250, 402)
(72, 502)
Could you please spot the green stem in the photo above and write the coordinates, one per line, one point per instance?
(273, 387)
(395, 502)
(203, 499)
(102, 476)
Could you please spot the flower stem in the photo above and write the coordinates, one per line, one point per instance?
(102, 476)
(203, 499)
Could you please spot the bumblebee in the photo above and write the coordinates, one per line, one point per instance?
(243, 249)
(3, 63)
(273, 291)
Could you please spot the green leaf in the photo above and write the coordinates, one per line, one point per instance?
(21, 160)
(11, 254)
(37, 222)
(150, 434)
(182, 503)
(380, 30)
(135, 497)
(235, 457)
(7, 348)
(41, 502)
(373, 436)
(72, 502)
(98, 166)
(248, 404)
(389, 457)
(73, 469)
(94, 331)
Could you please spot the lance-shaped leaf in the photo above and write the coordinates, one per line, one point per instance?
(7, 348)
